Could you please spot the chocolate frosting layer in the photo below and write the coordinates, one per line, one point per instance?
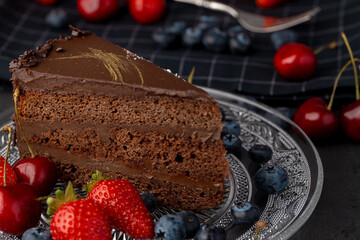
(86, 64)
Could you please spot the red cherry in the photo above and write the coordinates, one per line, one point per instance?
(350, 120)
(295, 61)
(39, 172)
(97, 10)
(47, 2)
(315, 119)
(269, 3)
(147, 11)
(19, 208)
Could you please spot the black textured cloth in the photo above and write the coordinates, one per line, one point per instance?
(22, 26)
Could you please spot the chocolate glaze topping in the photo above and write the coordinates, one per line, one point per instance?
(86, 64)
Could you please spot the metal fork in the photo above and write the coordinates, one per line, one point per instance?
(255, 22)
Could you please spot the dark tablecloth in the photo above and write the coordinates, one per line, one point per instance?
(22, 26)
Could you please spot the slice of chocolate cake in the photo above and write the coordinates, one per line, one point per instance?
(91, 105)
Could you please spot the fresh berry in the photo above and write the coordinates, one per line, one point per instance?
(215, 40)
(170, 227)
(350, 115)
(11, 178)
(260, 153)
(232, 144)
(240, 43)
(177, 27)
(192, 36)
(147, 11)
(164, 39)
(39, 172)
(234, 30)
(97, 10)
(124, 206)
(269, 3)
(149, 201)
(37, 233)
(282, 37)
(212, 232)
(206, 22)
(169, 37)
(271, 179)
(47, 2)
(57, 18)
(245, 212)
(295, 61)
(231, 127)
(278, 120)
(80, 219)
(191, 223)
(19, 208)
(315, 119)
(350, 120)
(286, 112)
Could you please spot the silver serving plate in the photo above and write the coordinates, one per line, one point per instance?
(284, 213)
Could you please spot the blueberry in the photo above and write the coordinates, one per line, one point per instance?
(260, 153)
(234, 30)
(212, 232)
(165, 39)
(57, 18)
(232, 144)
(170, 227)
(285, 111)
(278, 120)
(215, 40)
(284, 36)
(169, 37)
(149, 200)
(231, 128)
(177, 27)
(37, 233)
(191, 222)
(240, 43)
(271, 179)
(245, 212)
(207, 22)
(192, 36)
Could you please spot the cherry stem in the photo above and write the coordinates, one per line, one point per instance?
(7, 128)
(343, 35)
(331, 45)
(191, 75)
(337, 81)
(16, 96)
(258, 226)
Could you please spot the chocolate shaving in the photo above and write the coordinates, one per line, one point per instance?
(76, 32)
(28, 59)
(43, 50)
(31, 58)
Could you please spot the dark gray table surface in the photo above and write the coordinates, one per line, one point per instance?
(337, 215)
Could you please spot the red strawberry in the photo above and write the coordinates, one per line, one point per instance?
(124, 205)
(11, 178)
(77, 219)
